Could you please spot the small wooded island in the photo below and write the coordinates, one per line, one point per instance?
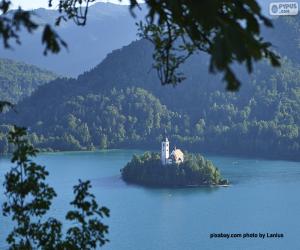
(171, 170)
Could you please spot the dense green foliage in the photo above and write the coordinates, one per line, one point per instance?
(126, 108)
(19, 80)
(120, 104)
(148, 170)
(117, 118)
(29, 198)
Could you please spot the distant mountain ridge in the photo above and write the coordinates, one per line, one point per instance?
(109, 27)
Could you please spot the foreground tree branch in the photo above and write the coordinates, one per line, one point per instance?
(29, 198)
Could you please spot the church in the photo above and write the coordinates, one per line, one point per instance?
(175, 157)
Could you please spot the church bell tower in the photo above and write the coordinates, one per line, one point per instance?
(165, 151)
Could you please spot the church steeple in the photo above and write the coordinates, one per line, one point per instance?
(165, 153)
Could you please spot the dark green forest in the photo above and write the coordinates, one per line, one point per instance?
(121, 104)
(19, 80)
(148, 170)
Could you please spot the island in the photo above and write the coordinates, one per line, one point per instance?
(177, 169)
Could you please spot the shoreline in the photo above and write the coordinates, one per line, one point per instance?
(176, 187)
(209, 154)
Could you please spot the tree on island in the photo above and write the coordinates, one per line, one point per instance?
(148, 170)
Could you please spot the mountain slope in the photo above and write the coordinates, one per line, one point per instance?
(109, 26)
(19, 80)
(261, 120)
(121, 104)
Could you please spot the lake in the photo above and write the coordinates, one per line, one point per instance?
(263, 198)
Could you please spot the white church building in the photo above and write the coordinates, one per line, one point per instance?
(176, 155)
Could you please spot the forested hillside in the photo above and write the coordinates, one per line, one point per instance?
(19, 80)
(121, 104)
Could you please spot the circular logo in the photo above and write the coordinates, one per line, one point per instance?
(274, 9)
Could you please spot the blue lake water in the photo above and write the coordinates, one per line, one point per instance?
(264, 198)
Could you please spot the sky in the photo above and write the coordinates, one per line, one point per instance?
(34, 4)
